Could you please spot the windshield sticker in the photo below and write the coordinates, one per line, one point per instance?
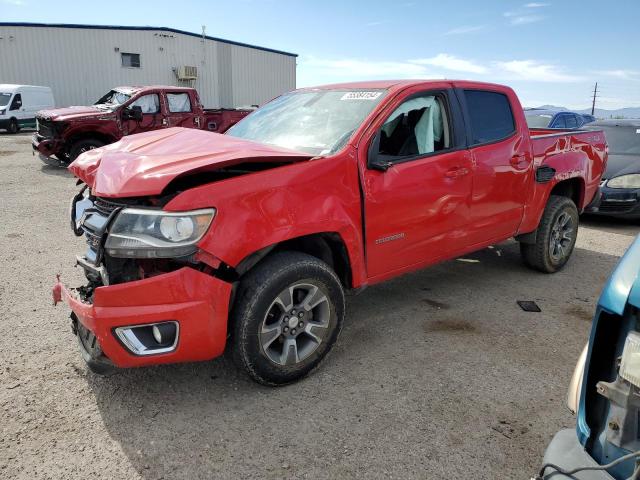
(637, 130)
(361, 95)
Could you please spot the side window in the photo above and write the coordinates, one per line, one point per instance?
(560, 122)
(179, 102)
(16, 103)
(572, 121)
(419, 126)
(490, 114)
(149, 103)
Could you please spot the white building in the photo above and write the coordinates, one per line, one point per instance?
(82, 62)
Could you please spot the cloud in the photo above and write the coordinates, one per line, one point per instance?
(524, 17)
(621, 74)
(352, 68)
(465, 29)
(373, 24)
(516, 19)
(535, 71)
(449, 62)
(15, 3)
(316, 70)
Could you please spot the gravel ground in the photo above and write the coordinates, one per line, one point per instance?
(437, 374)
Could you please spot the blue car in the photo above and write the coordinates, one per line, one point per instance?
(542, 118)
(605, 388)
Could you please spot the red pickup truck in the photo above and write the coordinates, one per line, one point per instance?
(198, 240)
(64, 133)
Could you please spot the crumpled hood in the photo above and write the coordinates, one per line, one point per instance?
(144, 164)
(68, 113)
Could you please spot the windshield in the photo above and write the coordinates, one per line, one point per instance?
(538, 121)
(4, 98)
(319, 122)
(113, 98)
(623, 140)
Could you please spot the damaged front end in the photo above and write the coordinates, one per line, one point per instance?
(150, 298)
(134, 239)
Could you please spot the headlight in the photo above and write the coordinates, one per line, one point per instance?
(630, 364)
(625, 181)
(143, 233)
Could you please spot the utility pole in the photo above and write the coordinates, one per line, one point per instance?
(595, 94)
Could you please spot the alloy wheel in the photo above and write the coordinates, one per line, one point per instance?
(295, 324)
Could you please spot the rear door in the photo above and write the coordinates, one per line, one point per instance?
(417, 209)
(502, 161)
(180, 110)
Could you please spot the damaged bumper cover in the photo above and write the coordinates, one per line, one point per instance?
(45, 149)
(197, 301)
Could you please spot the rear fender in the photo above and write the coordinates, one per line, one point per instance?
(571, 167)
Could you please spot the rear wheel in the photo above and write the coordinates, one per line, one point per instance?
(287, 316)
(555, 237)
(82, 146)
(13, 126)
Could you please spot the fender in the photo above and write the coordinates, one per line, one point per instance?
(573, 160)
(269, 207)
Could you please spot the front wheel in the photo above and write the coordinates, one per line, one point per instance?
(287, 316)
(82, 146)
(13, 126)
(555, 238)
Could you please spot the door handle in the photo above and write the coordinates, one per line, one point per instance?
(456, 172)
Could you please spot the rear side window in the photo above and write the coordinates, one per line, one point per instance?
(179, 102)
(560, 122)
(572, 121)
(491, 116)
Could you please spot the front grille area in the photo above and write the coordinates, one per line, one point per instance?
(613, 206)
(45, 128)
(106, 207)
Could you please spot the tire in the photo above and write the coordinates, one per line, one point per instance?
(13, 126)
(287, 316)
(91, 351)
(82, 146)
(555, 237)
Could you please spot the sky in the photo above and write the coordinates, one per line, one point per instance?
(550, 52)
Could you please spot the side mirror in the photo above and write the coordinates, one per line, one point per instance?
(374, 160)
(132, 113)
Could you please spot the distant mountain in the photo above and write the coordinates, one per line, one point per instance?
(629, 112)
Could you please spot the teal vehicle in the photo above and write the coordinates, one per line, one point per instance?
(605, 389)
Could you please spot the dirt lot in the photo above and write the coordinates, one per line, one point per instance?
(438, 374)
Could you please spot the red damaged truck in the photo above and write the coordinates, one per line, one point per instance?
(64, 133)
(198, 241)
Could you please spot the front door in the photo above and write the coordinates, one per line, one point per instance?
(152, 115)
(416, 210)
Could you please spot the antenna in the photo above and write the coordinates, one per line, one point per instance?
(595, 94)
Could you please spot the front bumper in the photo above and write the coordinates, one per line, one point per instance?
(45, 148)
(616, 202)
(566, 452)
(197, 301)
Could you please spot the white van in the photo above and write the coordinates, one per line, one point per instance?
(19, 104)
